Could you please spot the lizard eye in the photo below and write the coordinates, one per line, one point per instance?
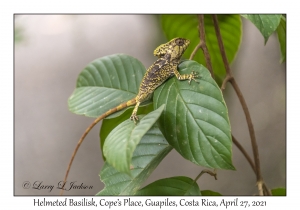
(179, 42)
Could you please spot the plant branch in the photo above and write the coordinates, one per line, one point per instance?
(259, 178)
(212, 173)
(231, 79)
(227, 79)
(240, 147)
(202, 45)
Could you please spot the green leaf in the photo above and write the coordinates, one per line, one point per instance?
(279, 192)
(122, 141)
(209, 193)
(195, 121)
(186, 26)
(266, 24)
(109, 124)
(179, 185)
(148, 154)
(105, 83)
(281, 32)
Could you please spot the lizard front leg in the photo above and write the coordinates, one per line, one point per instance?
(189, 77)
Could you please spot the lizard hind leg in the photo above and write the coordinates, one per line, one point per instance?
(134, 116)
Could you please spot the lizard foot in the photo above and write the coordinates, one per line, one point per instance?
(192, 76)
(134, 117)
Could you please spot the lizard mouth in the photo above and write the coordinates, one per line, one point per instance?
(186, 44)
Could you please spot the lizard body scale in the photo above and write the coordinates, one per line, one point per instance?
(169, 55)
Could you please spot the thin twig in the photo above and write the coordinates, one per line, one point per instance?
(266, 190)
(227, 78)
(259, 178)
(202, 45)
(240, 147)
(252, 134)
(212, 173)
(196, 49)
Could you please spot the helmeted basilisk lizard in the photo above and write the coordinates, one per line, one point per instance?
(169, 55)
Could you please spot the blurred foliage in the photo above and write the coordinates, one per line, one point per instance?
(18, 34)
(187, 26)
(279, 192)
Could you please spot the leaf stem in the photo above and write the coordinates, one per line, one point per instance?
(196, 49)
(231, 79)
(212, 173)
(202, 45)
(241, 148)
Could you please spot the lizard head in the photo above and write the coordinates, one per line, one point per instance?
(174, 48)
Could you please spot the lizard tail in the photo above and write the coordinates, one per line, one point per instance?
(109, 112)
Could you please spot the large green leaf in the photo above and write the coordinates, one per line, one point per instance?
(109, 124)
(281, 32)
(186, 26)
(122, 141)
(266, 24)
(147, 155)
(179, 185)
(105, 83)
(195, 121)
